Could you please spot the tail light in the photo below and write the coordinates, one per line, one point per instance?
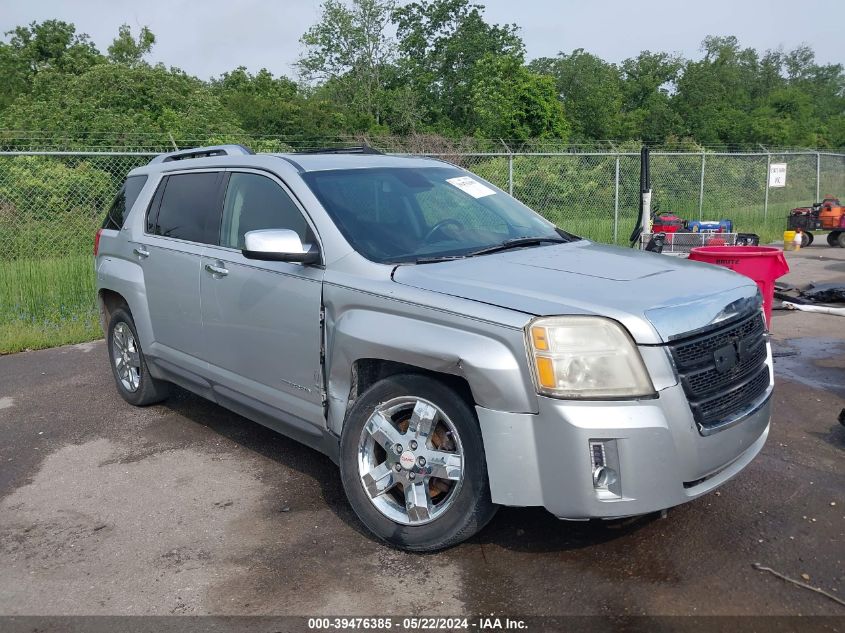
(97, 241)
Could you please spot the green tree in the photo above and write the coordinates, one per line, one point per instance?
(441, 43)
(784, 119)
(52, 45)
(55, 45)
(511, 102)
(348, 48)
(714, 95)
(447, 72)
(264, 104)
(737, 97)
(16, 74)
(130, 51)
(590, 90)
(110, 102)
(824, 86)
(647, 82)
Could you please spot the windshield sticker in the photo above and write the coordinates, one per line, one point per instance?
(471, 186)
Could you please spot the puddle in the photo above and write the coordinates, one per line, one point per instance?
(7, 402)
(818, 363)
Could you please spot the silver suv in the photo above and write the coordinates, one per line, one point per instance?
(447, 347)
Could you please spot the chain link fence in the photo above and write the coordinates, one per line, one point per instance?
(51, 204)
(597, 194)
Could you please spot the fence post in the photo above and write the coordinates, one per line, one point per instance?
(818, 174)
(766, 184)
(616, 205)
(701, 190)
(510, 173)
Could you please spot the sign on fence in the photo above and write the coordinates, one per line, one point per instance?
(777, 175)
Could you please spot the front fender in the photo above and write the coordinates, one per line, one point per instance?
(488, 361)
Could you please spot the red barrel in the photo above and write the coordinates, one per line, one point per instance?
(763, 264)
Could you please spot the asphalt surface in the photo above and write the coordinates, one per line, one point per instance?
(185, 508)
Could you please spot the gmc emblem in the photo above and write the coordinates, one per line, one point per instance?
(726, 358)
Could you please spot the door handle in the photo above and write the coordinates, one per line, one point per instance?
(216, 270)
(141, 252)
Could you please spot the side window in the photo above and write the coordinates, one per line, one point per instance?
(152, 211)
(123, 202)
(255, 202)
(189, 208)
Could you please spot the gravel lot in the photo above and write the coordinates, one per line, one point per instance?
(185, 508)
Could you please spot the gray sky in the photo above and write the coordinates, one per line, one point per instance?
(208, 37)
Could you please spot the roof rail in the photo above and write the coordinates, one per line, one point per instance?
(357, 149)
(203, 152)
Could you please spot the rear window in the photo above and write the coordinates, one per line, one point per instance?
(188, 207)
(123, 202)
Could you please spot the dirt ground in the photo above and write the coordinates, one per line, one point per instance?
(185, 508)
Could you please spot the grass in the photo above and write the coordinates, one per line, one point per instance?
(47, 302)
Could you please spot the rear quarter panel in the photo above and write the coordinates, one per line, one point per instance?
(117, 267)
(117, 272)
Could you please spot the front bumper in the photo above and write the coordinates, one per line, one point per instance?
(544, 459)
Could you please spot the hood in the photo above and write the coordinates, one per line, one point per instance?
(656, 297)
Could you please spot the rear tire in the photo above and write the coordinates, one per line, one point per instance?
(840, 238)
(832, 239)
(413, 466)
(129, 367)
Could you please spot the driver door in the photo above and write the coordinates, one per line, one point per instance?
(261, 319)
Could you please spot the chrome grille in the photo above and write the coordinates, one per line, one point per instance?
(723, 369)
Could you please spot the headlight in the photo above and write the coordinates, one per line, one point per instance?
(586, 357)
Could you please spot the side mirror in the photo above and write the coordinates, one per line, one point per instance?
(279, 245)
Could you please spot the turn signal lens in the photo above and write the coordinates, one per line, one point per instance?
(546, 372)
(538, 336)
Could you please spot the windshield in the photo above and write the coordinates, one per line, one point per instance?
(395, 215)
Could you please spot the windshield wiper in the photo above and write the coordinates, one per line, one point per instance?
(507, 244)
(439, 258)
(516, 243)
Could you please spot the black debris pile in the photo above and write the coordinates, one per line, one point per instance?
(829, 293)
(825, 293)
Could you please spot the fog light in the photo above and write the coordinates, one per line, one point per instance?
(604, 477)
(604, 467)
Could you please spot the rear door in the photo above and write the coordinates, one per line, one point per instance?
(262, 319)
(183, 217)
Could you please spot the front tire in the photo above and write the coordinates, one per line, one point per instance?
(129, 367)
(413, 466)
(806, 239)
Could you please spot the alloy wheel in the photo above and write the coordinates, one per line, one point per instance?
(410, 460)
(126, 357)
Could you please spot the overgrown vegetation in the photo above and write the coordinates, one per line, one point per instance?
(446, 72)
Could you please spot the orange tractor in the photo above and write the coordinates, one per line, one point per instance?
(827, 215)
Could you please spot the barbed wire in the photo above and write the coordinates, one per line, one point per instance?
(83, 140)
